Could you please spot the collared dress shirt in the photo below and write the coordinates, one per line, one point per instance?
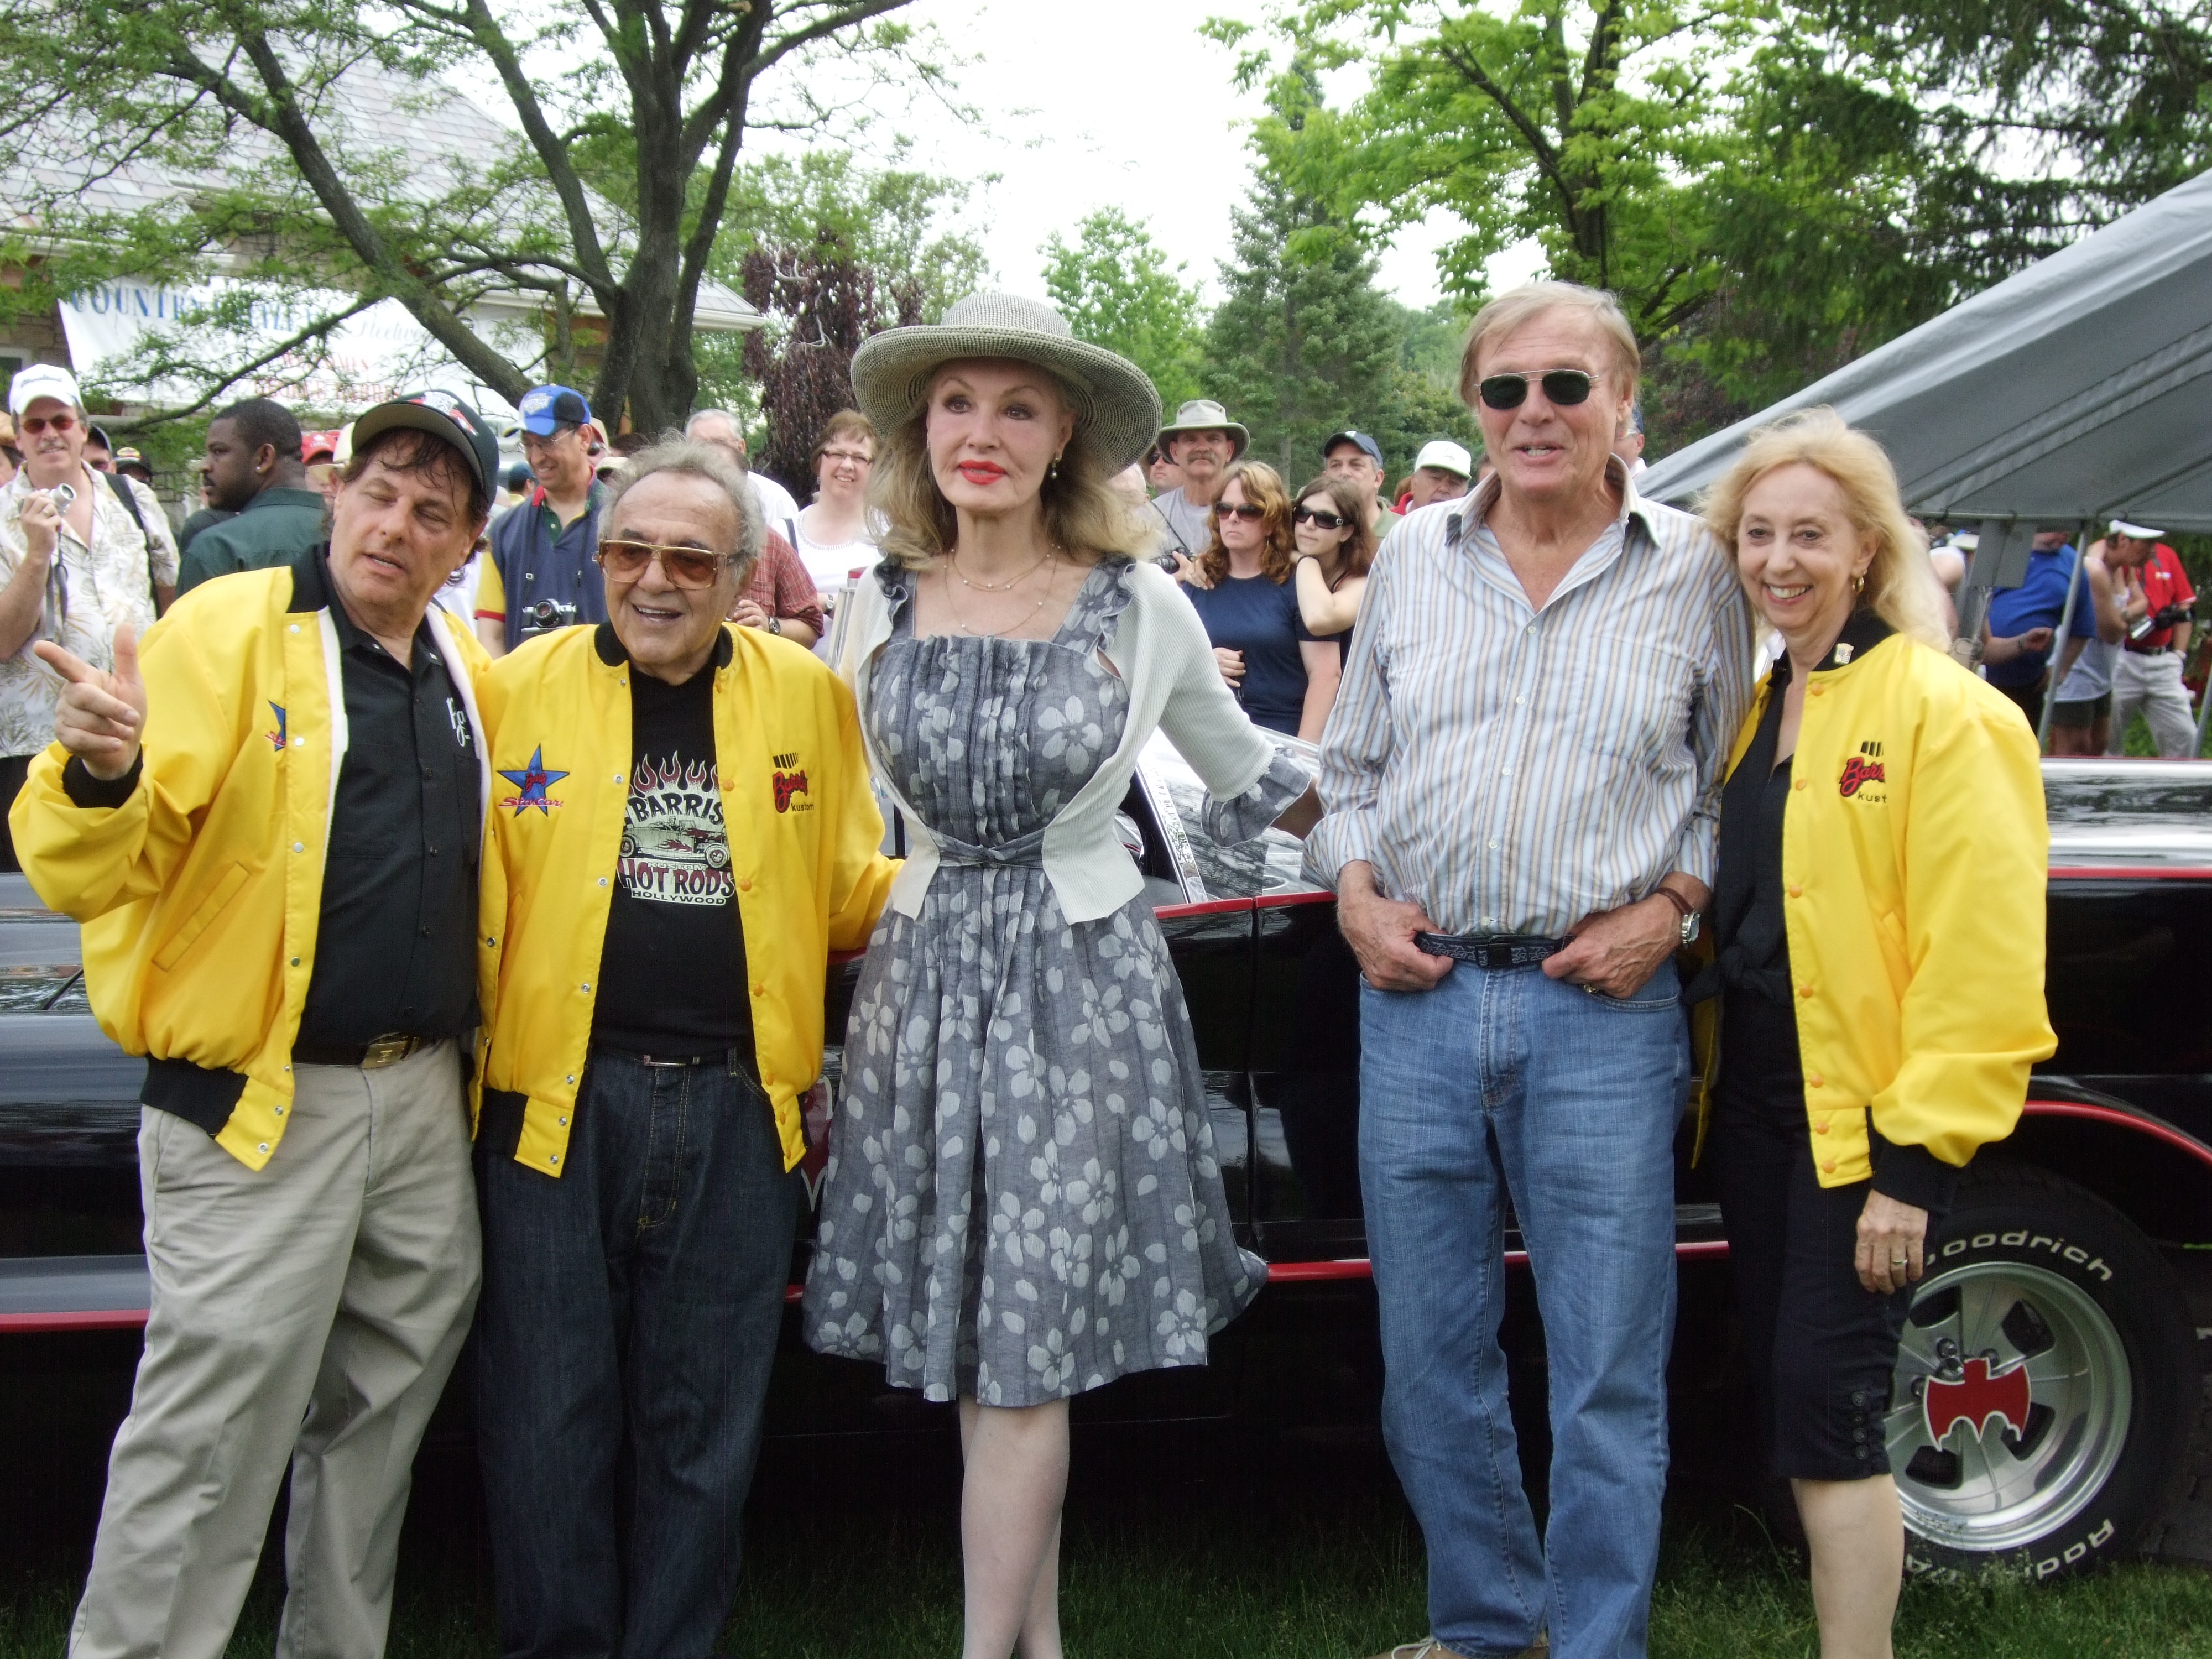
(395, 949)
(1512, 769)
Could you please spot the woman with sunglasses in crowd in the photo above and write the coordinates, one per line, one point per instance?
(1284, 675)
(1335, 546)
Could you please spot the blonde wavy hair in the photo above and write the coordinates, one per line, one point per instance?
(1263, 489)
(1900, 584)
(1083, 515)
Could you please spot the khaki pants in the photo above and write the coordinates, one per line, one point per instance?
(307, 1314)
(2153, 686)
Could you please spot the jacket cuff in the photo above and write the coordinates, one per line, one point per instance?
(1913, 1174)
(85, 790)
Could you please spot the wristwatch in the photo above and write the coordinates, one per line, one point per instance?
(775, 624)
(1691, 920)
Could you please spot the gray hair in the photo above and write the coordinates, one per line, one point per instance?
(1519, 305)
(699, 415)
(697, 459)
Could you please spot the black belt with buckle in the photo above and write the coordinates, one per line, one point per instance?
(2149, 650)
(1491, 949)
(387, 1050)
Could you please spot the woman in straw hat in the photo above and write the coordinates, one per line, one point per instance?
(1022, 1200)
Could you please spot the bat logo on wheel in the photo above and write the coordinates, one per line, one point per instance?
(1976, 1397)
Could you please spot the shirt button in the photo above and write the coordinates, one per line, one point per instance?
(299, 847)
(617, 777)
(264, 1145)
(425, 932)
(553, 1158)
(564, 1122)
(1505, 771)
(1493, 843)
(1829, 1168)
(1816, 690)
(603, 881)
(1797, 891)
(584, 987)
(1821, 1127)
(1804, 990)
(744, 883)
(296, 627)
(1817, 1080)
(1799, 784)
(295, 962)
(572, 1079)
(759, 990)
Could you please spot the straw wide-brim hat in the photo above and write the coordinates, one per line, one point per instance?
(1116, 408)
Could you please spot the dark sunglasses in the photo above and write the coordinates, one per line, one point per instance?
(1249, 514)
(33, 425)
(686, 567)
(1311, 515)
(1561, 385)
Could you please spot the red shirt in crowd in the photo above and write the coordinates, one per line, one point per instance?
(2165, 583)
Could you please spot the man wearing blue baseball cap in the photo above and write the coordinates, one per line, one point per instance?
(1356, 456)
(540, 575)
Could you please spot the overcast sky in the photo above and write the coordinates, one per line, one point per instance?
(1109, 103)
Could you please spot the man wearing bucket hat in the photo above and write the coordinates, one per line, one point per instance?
(1200, 443)
(540, 575)
(268, 824)
(1009, 656)
(2147, 672)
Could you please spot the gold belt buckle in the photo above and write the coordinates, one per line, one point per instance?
(386, 1051)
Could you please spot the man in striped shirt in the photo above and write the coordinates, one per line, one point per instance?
(1522, 778)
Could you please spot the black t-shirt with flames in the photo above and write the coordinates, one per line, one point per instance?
(673, 973)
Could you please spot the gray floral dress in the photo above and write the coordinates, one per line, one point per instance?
(1022, 1200)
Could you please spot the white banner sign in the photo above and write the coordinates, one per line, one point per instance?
(380, 354)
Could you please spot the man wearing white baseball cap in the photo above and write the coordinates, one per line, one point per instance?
(82, 553)
(2158, 604)
(1440, 473)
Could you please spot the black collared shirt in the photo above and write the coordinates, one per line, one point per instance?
(395, 949)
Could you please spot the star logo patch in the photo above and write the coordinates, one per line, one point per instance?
(533, 782)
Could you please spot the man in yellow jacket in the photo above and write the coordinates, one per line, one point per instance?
(267, 824)
(682, 830)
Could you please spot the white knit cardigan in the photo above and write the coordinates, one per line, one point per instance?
(1160, 649)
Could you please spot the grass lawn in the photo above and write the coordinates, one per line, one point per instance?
(1200, 1578)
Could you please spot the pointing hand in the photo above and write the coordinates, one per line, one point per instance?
(102, 717)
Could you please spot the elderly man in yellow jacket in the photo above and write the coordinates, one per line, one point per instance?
(682, 831)
(268, 821)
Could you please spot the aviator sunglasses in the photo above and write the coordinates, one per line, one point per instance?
(1561, 385)
(33, 425)
(1315, 516)
(686, 567)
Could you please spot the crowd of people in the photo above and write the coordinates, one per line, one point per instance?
(322, 822)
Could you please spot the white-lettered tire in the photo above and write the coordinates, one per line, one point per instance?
(2045, 1385)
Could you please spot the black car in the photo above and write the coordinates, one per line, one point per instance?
(2048, 1374)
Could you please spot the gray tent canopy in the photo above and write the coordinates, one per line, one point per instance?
(2079, 389)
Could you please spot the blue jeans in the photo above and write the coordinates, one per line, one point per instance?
(623, 1342)
(1500, 1084)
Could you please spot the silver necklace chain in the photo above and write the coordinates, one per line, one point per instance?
(952, 563)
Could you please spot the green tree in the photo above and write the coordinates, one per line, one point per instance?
(1116, 289)
(317, 142)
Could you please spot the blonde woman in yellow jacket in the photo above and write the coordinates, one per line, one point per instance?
(1878, 920)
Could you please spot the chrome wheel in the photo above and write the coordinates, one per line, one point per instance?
(2011, 1403)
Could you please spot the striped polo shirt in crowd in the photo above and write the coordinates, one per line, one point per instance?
(1512, 769)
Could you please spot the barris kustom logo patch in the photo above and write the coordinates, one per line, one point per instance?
(277, 736)
(788, 781)
(1862, 769)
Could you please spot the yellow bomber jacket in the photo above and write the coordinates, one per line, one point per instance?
(201, 893)
(804, 841)
(1915, 855)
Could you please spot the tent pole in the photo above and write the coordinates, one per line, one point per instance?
(2058, 641)
(1988, 571)
(2204, 708)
